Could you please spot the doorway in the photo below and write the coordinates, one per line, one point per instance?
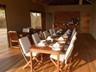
(3, 30)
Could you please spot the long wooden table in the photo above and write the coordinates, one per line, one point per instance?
(46, 50)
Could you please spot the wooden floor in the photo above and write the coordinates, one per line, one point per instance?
(3, 39)
(84, 58)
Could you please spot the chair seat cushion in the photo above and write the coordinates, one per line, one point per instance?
(62, 56)
(33, 54)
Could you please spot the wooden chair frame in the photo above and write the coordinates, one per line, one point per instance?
(13, 38)
(26, 58)
(46, 34)
(64, 62)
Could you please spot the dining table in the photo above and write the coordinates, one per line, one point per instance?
(48, 49)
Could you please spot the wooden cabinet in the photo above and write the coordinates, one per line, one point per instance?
(66, 20)
(85, 21)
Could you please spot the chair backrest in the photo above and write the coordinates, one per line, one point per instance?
(73, 32)
(27, 30)
(36, 38)
(51, 31)
(73, 38)
(46, 34)
(68, 52)
(13, 35)
(25, 44)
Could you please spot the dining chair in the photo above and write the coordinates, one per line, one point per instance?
(27, 30)
(51, 31)
(13, 39)
(38, 42)
(46, 34)
(25, 46)
(63, 58)
(74, 37)
(36, 38)
(73, 32)
(41, 35)
(71, 42)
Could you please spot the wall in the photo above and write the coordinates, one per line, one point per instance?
(49, 20)
(73, 8)
(93, 26)
(18, 13)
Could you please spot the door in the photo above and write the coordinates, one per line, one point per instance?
(85, 21)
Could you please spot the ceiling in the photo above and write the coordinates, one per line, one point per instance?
(63, 2)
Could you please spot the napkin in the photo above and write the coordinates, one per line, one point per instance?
(65, 36)
(43, 41)
(58, 31)
(68, 31)
(60, 38)
(41, 44)
(49, 38)
(57, 45)
(54, 34)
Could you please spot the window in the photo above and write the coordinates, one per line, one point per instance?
(2, 18)
(36, 21)
(3, 30)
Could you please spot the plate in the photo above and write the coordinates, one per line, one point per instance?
(61, 41)
(40, 45)
(56, 49)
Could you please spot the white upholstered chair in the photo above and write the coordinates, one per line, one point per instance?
(46, 34)
(51, 31)
(74, 37)
(36, 38)
(63, 58)
(25, 46)
(73, 32)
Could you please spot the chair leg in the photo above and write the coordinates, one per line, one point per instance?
(29, 65)
(65, 67)
(10, 44)
(41, 57)
(26, 65)
(55, 64)
(36, 59)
